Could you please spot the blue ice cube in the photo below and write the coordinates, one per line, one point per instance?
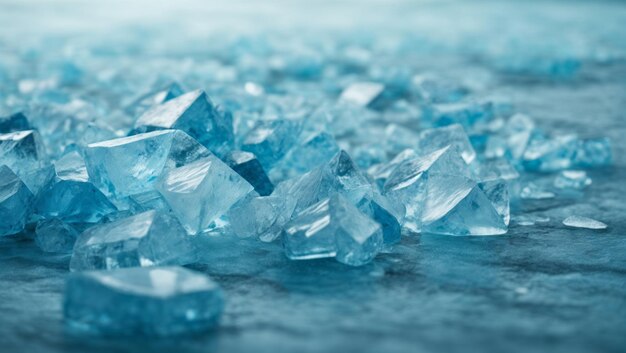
(158, 301)
(146, 239)
(16, 202)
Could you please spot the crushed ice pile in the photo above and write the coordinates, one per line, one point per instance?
(317, 156)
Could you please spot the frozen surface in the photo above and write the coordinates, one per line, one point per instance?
(543, 287)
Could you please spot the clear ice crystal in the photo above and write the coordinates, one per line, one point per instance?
(271, 140)
(70, 196)
(150, 238)
(458, 206)
(158, 301)
(195, 114)
(317, 149)
(130, 165)
(572, 179)
(333, 227)
(407, 184)
(201, 192)
(362, 93)
(434, 139)
(16, 202)
(24, 153)
(55, 236)
(566, 151)
(248, 166)
(584, 222)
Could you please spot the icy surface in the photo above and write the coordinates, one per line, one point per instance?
(542, 287)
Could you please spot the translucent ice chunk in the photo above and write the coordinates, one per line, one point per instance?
(248, 166)
(407, 183)
(195, 114)
(317, 149)
(130, 165)
(54, 235)
(70, 196)
(454, 135)
(572, 179)
(381, 172)
(550, 154)
(141, 301)
(333, 227)
(362, 93)
(24, 153)
(146, 239)
(458, 206)
(15, 202)
(200, 192)
(583, 222)
(466, 114)
(271, 140)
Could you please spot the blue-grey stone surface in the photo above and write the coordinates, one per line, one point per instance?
(539, 288)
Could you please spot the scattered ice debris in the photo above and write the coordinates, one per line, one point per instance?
(572, 179)
(583, 222)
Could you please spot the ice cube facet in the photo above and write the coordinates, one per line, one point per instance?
(54, 235)
(150, 238)
(16, 202)
(200, 192)
(247, 165)
(195, 114)
(333, 227)
(24, 153)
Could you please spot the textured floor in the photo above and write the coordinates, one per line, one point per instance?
(539, 288)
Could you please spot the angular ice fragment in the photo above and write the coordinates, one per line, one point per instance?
(381, 172)
(361, 93)
(583, 222)
(54, 235)
(407, 183)
(270, 140)
(194, 114)
(390, 216)
(593, 153)
(317, 149)
(200, 192)
(15, 202)
(24, 153)
(150, 238)
(454, 135)
(333, 227)
(550, 154)
(458, 206)
(467, 114)
(70, 196)
(130, 165)
(14, 122)
(519, 131)
(572, 179)
(141, 301)
(261, 217)
(247, 165)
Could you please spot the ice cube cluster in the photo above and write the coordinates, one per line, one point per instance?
(317, 156)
